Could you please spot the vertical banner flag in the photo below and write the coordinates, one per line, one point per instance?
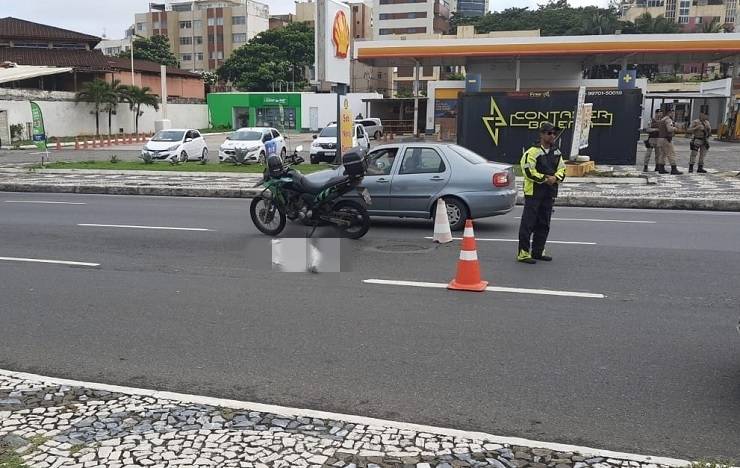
(39, 135)
(575, 143)
(347, 125)
(584, 123)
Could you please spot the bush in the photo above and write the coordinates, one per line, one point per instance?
(114, 159)
(16, 131)
(147, 158)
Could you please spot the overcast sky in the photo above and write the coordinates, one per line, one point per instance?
(112, 17)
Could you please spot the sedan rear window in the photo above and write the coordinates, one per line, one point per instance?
(469, 156)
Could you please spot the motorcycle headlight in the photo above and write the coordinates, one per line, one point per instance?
(173, 147)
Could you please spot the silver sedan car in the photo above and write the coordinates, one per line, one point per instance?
(407, 179)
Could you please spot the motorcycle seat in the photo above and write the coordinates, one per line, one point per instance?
(303, 184)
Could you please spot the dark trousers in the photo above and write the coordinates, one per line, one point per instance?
(535, 223)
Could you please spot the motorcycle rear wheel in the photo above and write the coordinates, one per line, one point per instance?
(267, 216)
(361, 221)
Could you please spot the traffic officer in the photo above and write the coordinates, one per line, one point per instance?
(543, 169)
(666, 131)
(700, 129)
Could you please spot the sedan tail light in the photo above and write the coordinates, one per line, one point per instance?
(501, 179)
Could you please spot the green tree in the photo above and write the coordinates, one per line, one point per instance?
(155, 49)
(137, 97)
(271, 56)
(648, 24)
(99, 93)
(713, 26)
(116, 94)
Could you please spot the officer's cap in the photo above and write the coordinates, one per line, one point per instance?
(548, 127)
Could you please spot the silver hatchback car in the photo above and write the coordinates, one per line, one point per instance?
(407, 179)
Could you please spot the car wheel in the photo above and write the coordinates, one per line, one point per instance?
(261, 159)
(314, 160)
(204, 155)
(183, 156)
(457, 213)
(283, 152)
(378, 135)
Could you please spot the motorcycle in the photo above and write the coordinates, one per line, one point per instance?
(288, 194)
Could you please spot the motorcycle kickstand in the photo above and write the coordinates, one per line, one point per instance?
(315, 225)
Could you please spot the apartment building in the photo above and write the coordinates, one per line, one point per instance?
(691, 14)
(411, 19)
(204, 33)
(470, 7)
(113, 47)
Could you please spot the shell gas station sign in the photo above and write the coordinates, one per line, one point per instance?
(333, 41)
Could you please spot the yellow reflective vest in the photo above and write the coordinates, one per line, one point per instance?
(538, 162)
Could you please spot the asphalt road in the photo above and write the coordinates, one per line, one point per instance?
(652, 368)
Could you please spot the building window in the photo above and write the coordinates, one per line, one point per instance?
(181, 7)
(199, 56)
(139, 26)
(698, 20)
(390, 31)
(655, 3)
(670, 9)
(215, 21)
(217, 55)
(186, 40)
(186, 57)
(197, 24)
(198, 40)
(239, 37)
(215, 39)
(730, 11)
(31, 44)
(683, 11)
(186, 24)
(68, 45)
(238, 20)
(411, 15)
(400, 2)
(428, 71)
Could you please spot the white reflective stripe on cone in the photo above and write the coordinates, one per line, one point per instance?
(468, 232)
(468, 255)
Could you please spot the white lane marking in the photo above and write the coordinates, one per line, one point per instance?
(353, 419)
(517, 240)
(543, 292)
(131, 226)
(594, 220)
(45, 202)
(42, 260)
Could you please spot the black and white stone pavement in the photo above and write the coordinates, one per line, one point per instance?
(50, 425)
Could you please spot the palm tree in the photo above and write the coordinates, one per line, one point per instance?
(647, 24)
(98, 92)
(713, 26)
(117, 90)
(137, 97)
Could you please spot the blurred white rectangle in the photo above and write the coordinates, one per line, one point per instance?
(306, 255)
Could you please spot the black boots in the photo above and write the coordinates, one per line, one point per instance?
(675, 171)
(661, 169)
(701, 170)
(657, 167)
(644, 168)
(691, 168)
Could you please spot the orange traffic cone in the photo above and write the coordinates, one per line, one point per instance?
(468, 267)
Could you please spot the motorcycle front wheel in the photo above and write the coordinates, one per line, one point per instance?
(358, 216)
(267, 216)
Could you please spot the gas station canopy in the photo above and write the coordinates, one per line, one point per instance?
(589, 50)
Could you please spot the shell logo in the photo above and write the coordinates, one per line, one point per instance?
(340, 35)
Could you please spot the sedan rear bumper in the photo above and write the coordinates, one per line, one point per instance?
(489, 203)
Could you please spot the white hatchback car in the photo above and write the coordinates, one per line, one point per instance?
(181, 144)
(373, 127)
(258, 142)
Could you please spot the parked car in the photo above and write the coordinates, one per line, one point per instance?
(180, 143)
(407, 179)
(373, 127)
(258, 142)
(324, 146)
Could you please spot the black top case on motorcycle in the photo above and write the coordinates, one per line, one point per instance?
(354, 162)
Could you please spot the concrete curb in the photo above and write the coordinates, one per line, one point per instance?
(700, 204)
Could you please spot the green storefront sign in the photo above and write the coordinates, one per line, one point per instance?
(235, 110)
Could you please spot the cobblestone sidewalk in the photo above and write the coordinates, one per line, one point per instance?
(47, 424)
(719, 191)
